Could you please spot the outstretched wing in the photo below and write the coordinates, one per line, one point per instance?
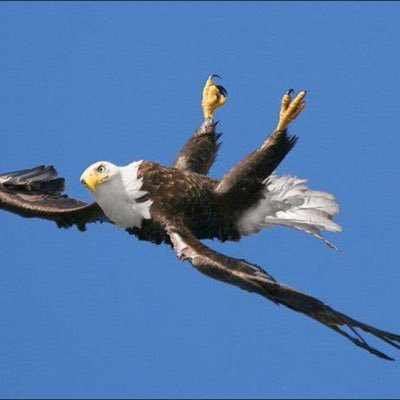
(200, 151)
(37, 193)
(254, 279)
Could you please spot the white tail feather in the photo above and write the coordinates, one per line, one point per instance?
(288, 202)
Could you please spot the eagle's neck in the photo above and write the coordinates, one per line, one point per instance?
(119, 197)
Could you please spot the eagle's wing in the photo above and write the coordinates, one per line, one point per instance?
(37, 192)
(200, 151)
(252, 278)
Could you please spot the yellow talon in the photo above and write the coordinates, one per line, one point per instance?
(290, 110)
(214, 96)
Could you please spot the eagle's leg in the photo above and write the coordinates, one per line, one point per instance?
(290, 110)
(201, 149)
(243, 186)
(214, 97)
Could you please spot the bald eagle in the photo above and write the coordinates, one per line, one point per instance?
(180, 206)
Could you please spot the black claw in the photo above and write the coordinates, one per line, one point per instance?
(289, 92)
(214, 76)
(223, 91)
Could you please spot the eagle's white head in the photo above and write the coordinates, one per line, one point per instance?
(118, 190)
(98, 174)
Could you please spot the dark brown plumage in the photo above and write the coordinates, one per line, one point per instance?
(243, 185)
(252, 278)
(36, 193)
(187, 206)
(199, 153)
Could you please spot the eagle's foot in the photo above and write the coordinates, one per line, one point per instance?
(290, 109)
(214, 96)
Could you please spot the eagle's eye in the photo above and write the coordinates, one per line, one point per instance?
(101, 169)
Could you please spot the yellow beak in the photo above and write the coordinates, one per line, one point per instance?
(91, 181)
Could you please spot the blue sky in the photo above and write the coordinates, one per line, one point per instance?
(102, 315)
